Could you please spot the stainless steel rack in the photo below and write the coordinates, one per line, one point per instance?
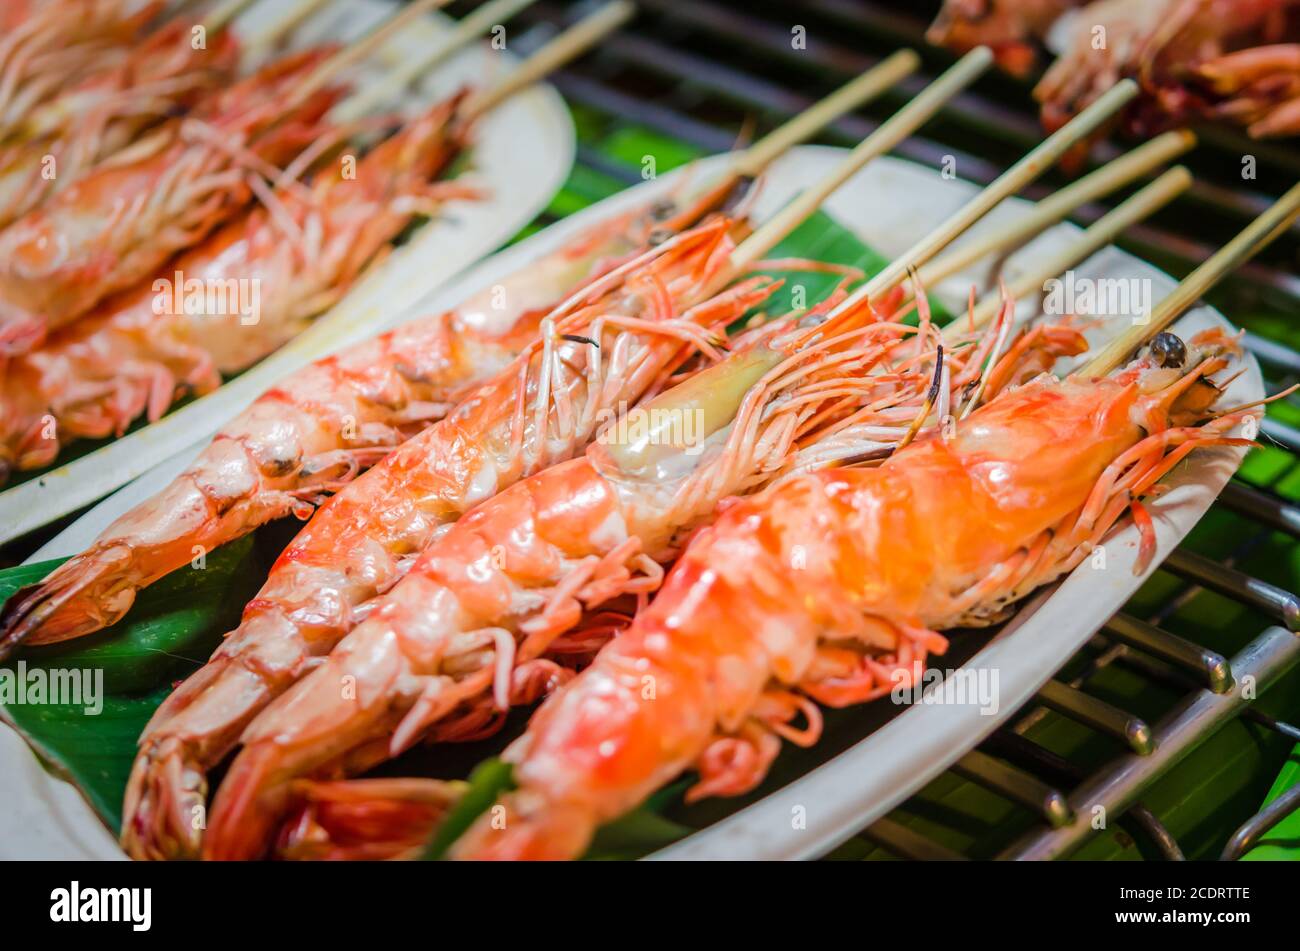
(696, 70)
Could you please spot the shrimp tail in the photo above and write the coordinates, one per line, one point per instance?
(365, 819)
(524, 828)
(256, 790)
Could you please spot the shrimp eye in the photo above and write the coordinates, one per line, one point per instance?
(663, 209)
(1168, 350)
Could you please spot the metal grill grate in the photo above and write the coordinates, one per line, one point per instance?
(696, 72)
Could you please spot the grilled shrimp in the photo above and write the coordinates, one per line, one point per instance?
(1259, 87)
(303, 439)
(604, 346)
(64, 138)
(1177, 50)
(302, 251)
(1013, 29)
(46, 47)
(483, 616)
(830, 588)
(118, 224)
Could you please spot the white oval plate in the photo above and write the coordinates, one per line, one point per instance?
(889, 205)
(522, 154)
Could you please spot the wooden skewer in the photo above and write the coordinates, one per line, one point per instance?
(574, 41)
(1250, 241)
(1049, 211)
(1099, 234)
(283, 26)
(470, 28)
(220, 18)
(893, 131)
(1039, 159)
(324, 74)
(889, 72)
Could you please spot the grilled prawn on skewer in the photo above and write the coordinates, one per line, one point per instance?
(118, 224)
(949, 531)
(604, 346)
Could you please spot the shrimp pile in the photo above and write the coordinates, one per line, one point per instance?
(309, 435)
(62, 139)
(605, 346)
(821, 589)
(303, 249)
(116, 225)
(488, 616)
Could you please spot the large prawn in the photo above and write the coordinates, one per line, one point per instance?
(829, 584)
(302, 250)
(481, 619)
(118, 224)
(605, 346)
(62, 139)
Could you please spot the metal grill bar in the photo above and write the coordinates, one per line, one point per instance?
(1266, 658)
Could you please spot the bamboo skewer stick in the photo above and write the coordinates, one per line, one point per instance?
(572, 42)
(748, 164)
(1250, 241)
(220, 18)
(470, 28)
(893, 131)
(1099, 234)
(354, 52)
(1110, 177)
(888, 72)
(286, 24)
(1008, 183)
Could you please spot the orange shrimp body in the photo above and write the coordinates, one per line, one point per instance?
(158, 341)
(115, 226)
(540, 410)
(789, 594)
(64, 138)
